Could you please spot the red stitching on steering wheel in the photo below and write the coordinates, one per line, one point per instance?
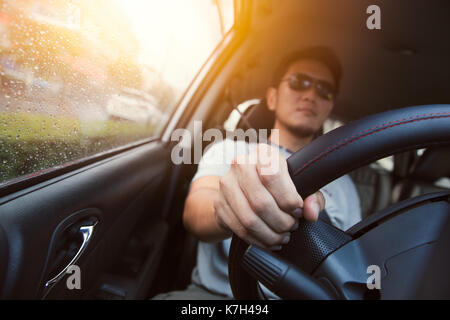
(367, 132)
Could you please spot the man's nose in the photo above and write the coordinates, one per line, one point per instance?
(309, 94)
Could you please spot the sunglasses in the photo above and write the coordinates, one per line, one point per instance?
(302, 82)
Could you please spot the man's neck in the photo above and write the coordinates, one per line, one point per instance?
(288, 140)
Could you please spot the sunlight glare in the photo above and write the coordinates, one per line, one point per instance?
(175, 37)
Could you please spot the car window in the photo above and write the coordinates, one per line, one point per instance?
(82, 77)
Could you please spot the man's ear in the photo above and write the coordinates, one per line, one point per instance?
(271, 98)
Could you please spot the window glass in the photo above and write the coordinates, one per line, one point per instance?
(81, 77)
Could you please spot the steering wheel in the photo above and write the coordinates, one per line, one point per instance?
(381, 256)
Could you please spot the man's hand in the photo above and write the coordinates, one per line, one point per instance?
(258, 201)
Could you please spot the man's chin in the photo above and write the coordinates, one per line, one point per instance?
(302, 131)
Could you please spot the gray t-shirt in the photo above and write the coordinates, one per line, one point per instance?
(342, 206)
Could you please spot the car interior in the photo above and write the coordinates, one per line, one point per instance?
(133, 198)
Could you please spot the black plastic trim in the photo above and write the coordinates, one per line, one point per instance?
(377, 218)
(32, 179)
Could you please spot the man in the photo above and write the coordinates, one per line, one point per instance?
(263, 209)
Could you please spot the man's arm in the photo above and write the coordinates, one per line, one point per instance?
(261, 209)
(199, 213)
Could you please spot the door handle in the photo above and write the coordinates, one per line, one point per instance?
(87, 232)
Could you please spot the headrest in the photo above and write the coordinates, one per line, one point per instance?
(257, 116)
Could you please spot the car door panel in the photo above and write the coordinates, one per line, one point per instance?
(117, 191)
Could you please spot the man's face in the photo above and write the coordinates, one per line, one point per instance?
(301, 112)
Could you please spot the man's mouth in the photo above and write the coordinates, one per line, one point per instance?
(306, 111)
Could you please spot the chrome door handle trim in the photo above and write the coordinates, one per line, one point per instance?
(87, 232)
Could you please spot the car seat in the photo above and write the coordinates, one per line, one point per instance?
(425, 172)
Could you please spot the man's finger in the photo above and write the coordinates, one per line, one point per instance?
(253, 225)
(225, 215)
(278, 182)
(261, 201)
(313, 205)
